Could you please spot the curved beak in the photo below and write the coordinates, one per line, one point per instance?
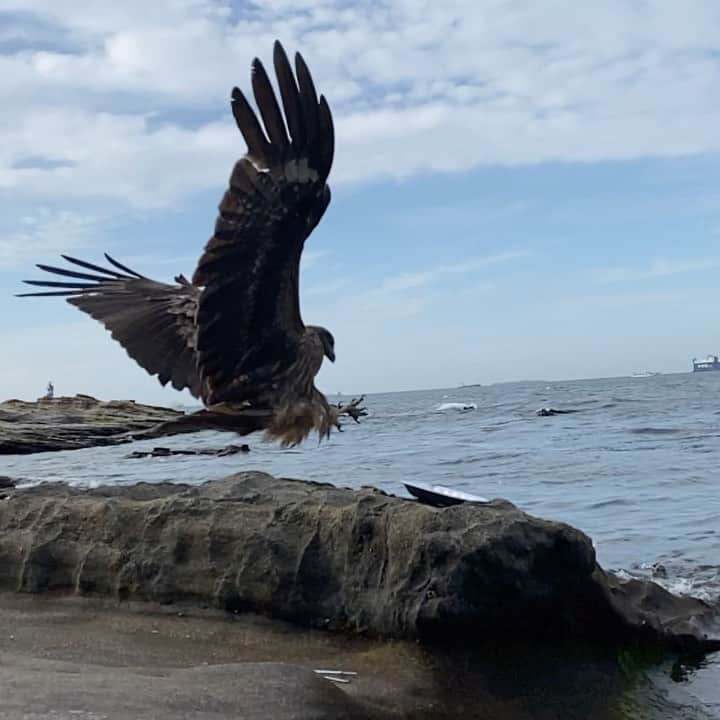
(330, 355)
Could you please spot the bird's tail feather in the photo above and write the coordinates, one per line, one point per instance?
(292, 423)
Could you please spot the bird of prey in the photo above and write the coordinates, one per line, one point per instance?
(234, 336)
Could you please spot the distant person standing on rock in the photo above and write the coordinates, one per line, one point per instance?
(49, 394)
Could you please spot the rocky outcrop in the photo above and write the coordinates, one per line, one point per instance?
(358, 561)
(5, 484)
(68, 423)
(168, 452)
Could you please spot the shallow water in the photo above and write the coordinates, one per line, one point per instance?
(635, 468)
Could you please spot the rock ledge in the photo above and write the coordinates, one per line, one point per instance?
(358, 561)
(69, 423)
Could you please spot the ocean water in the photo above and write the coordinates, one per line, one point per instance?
(636, 468)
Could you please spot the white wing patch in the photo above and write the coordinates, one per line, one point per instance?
(299, 170)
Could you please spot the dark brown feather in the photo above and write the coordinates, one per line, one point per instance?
(308, 102)
(122, 267)
(269, 108)
(153, 321)
(326, 140)
(90, 266)
(290, 96)
(249, 126)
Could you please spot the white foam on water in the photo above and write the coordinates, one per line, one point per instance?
(691, 587)
(444, 407)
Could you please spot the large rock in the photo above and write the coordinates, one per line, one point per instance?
(359, 561)
(68, 423)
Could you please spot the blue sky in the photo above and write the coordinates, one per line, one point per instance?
(521, 190)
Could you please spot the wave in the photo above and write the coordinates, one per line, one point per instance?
(656, 431)
(692, 587)
(489, 457)
(700, 581)
(610, 503)
(459, 407)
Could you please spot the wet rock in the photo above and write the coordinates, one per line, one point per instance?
(167, 452)
(251, 691)
(549, 412)
(659, 570)
(67, 423)
(358, 561)
(143, 660)
(6, 482)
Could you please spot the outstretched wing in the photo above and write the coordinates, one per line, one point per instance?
(249, 323)
(153, 321)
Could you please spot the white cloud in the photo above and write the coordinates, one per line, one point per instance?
(407, 281)
(46, 232)
(416, 86)
(116, 156)
(659, 267)
(376, 307)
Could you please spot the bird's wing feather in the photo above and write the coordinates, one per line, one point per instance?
(249, 322)
(153, 321)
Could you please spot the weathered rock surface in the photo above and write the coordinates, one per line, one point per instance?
(68, 657)
(66, 660)
(247, 691)
(359, 561)
(68, 423)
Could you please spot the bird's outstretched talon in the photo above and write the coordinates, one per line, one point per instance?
(354, 409)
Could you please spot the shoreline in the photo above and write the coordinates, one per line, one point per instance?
(437, 609)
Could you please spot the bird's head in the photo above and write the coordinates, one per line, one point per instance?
(328, 342)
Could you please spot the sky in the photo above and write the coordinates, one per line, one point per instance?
(521, 190)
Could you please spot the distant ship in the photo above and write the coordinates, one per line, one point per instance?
(710, 363)
(646, 373)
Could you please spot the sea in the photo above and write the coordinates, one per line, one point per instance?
(636, 467)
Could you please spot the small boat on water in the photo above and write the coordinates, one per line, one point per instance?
(440, 495)
(709, 364)
(645, 373)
